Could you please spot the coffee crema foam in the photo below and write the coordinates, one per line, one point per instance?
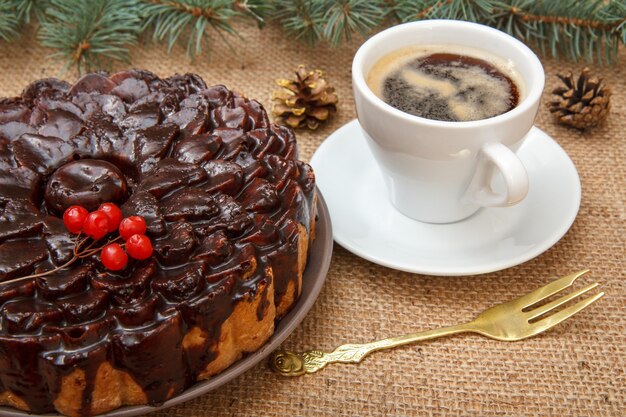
(441, 82)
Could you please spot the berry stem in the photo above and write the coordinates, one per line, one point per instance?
(79, 243)
(78, 254)
(88, 251)
(41, 274)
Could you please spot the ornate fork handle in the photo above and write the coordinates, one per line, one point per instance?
(511, 321)
(295, 364)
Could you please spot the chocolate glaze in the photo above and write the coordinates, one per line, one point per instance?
(87, 183)
(219, 187)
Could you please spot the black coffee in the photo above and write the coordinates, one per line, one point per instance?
(446, 86)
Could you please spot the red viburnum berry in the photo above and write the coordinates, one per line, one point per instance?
(133, 225)
(114, 214)
(139, 246)
(74, 218)
(96, 225)
(113, 257)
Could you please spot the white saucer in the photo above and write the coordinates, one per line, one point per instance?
(365, 223)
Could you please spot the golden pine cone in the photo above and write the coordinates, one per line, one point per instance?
(582, 103)
(306, 101)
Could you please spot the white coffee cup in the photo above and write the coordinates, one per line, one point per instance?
(440, 171)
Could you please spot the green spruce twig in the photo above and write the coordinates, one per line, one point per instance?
(301, 19)
(15, 14)
(90, 34)
(169, 19)
(344, 17)
(590, 29)
(257, 9)
(9, 19)
(472, 11)
(576, 30)
(26, 8)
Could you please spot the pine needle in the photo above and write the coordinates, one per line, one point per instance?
(90, 34)
(301, 19)
(571, 29)
(26, 8)
(169, 19)
(344, 17)
(9, 20)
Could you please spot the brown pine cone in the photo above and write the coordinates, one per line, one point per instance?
(306, 101)
(582, 103)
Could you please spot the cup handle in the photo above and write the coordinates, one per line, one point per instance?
(491, 156)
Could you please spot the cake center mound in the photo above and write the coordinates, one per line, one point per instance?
(87, 183)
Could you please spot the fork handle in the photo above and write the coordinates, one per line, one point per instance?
(296, 364)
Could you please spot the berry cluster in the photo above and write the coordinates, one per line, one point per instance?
(107, 219)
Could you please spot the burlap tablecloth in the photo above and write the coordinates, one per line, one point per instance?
(577, 369)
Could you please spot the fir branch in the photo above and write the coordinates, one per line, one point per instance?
(26, 8)
(301, 19)
(9, 19)
(312, 21)
(14, 14)
(89, 35)
(565, 28)
(258, 9)
(571, 28)
(344, 17)
(614, 13)
(168, 19)
(472, 11)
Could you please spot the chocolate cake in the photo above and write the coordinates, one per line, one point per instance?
(229, 210)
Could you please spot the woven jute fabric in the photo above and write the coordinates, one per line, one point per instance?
(576, 369)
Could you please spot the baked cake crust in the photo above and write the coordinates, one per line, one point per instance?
(229, 208)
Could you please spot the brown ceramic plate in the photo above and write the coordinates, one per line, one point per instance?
(313, 279)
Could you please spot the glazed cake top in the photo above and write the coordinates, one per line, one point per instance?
(219, 188)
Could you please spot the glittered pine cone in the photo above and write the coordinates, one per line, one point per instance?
(582, 103)
(306, 101)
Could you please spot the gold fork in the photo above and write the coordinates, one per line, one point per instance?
(510, 321)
